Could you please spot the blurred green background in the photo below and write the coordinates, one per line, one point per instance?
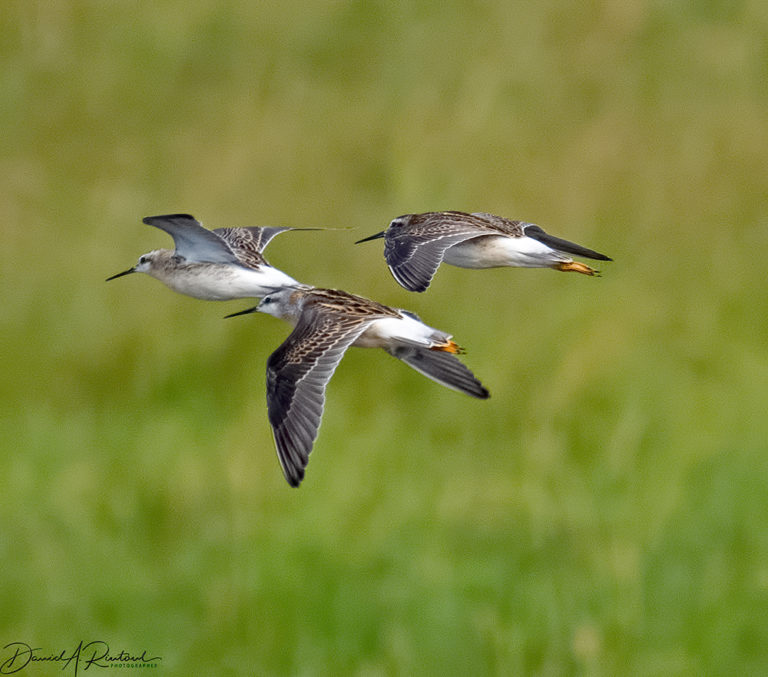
(605, 512)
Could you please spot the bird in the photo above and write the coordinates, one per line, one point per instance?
(416, 244)
(327, 322)
(213, 265)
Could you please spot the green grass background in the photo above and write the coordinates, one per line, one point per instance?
(605, 512)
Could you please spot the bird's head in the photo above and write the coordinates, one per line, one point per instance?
(149, 263)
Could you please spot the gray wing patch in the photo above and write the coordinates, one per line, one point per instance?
(297, 375)
(193, 242)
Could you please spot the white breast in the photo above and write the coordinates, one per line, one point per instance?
(213, 282)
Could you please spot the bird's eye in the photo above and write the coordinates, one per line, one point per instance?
(143, 259)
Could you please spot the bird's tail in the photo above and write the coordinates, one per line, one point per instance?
(442, 367)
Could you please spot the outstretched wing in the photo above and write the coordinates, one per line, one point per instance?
(297, 375)
(248, 243)
(415, 244)
(442, 367)
(193, 242)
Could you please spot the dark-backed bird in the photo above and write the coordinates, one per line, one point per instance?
(416, 244)
(326, 323)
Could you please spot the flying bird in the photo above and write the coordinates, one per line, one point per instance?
(213, 265)
(416, 244)
(326, 323)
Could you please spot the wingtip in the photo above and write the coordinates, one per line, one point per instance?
(328, 228)
(418, 290)
(408, 282)
(294, 474)
(151, 220)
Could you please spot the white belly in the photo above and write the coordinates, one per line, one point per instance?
(212, 282)
(389, 331)
(496, 251)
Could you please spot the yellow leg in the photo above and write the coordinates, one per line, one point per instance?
(577, 267)
(449, 347)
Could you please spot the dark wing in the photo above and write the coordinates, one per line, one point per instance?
(297, 375)
(442, 367)
(415, 244)
(193, 242)
(561, 245)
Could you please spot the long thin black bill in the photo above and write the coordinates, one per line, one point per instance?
(125, 272)
(242, 312)
(372, 237)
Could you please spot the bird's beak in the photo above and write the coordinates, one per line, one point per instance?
(372, 237)
(125, 272)
(242, 312)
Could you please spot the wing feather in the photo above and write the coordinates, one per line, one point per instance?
(248, 243)
(443, 368)
(193, 242)
(415, 244)
(297, 375)
(566, 246)
(501, 224)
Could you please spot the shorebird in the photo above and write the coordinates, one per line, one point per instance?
(416, 244)
(213, 265)
(326, 323)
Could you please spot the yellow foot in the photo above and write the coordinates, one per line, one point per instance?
(449, 347)
(577, 267)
